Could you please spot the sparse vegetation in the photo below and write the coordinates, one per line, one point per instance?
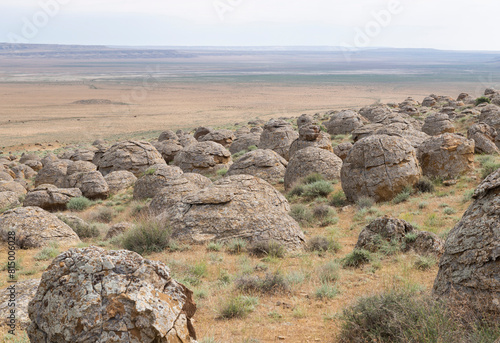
(270, 249)
(338, 199)
(302, 214)
(356, 258)
(322, 244)
(78, 204)
(365, 202)
(483, 99)
(237, 307)
(236, 246)
(424, 185)
(147, 236)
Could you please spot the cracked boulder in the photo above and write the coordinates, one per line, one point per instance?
(278, 135)
(203, 158)
(51, 198)
(239, 206)
(344, 122)
(266, 164)
(25, 291)
(470, 266)
(119, 180)
(244, 141)
(484, 137)
(168, 149)
(223, 137)
(379, 167)
(133, 156)
(94, 295)
(312, 160)
(401, 233)
(448, 156)
(35, 227)
(155, 179)
(438, 123)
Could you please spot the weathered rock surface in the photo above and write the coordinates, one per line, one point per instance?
(172, 192)
(24, 292)
(490, 114)
(148, 185)
(132, 156)
(239, 206)
(484, 138)
(12, 186)
(53, 173)
(203, 158)
(311, 136)
(371, 112)
(244, 141)
(202, 131)
(118, 229)
(265, 164)
(312, 160)
(94, 295)
(470, 264)
(397, 231)
(92, 184)
(344, 122)
(8, 199)
(119, 180)
(448, 155)
(223, 137)
(379, 167)
(51, 198)
(168, 135)
(304, 119)
(342, 150)
(35, 227)
(414, 137)
(429, 102)
(278, 135)
(168, 149)
(436, 124)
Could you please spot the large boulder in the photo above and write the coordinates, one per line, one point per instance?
(92, 184)
(203, 158)
(51, 198)
(239, 206)
(344, 122)
(35, 227)
(429, 102)
(278, 135)
(53, 173)
(223, 137)
(266, 164)
(12, 186)
(94, 295)
(304, 119)
(311, 136)
(342, 150)
(438, 123)
(29, 157)
(119, 180)
(470, 266)
(79, 154)
(372, 111)
(155, 179)
(202, 131)
(168, 135)
(243, 142)
(448, 156)
(132, 156)
(398, 231)
(490, 114)
(379, 167)
(8, 199)
(168, 149)
(414, 137)
(312, 160)
(484, 137)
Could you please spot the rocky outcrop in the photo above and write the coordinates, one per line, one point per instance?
(239, 206)
(265, 164)
(312, 160)
(12, 186)
(8, 199)
(448, 156)
(243, 142)
(436, 124)
(484, 137)
(311, 136)
(119, 180)
(344, 122)
(118, 229)
(53, 173)
(203, 158)
(278, 135)
(94, 295)
(379, 167)
(148, 185)
(51, 198)
(223, 137)
(35, 227)
(24, 292)
(342, 150)
(470, 265)
(168, 149)
(132, 156)
(304, 119)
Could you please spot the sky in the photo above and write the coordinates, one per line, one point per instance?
(439, 24)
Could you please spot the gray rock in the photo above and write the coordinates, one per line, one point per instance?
(278, 135)
(304, 119)
(12, 186)
(24, 292)
(8, 199)
(342, 150)
(148, 185)
(51, 198)
(265, 164)
(94, 295)
(379, 167)
(168, 135)
(436, 124)
(203, 158)
(311, 136)
(118, 229)
(484, 138)
(168, 149)
(202, 131)
(344, 122)
(244, 141)
(119, 180)
(223, 137)
(53, 174)
(470, 265)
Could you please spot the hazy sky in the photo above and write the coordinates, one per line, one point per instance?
(442, 24)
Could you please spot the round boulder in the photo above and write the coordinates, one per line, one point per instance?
(95, 295)
(312, 160)
(132, 156)
(8, 199)
(203, 158)
(448, 155)
(379, 167)
(244, 141)
(51, 198)
(304, 119)
(239, 206)
(119, 180)
(437, 124)
(344, 122)
(155, 179)
(168, 149)
(342, 150)
(469, 268)
(35, 227)
(311, 136)
(223, 137)
(266, 164)
(484, 137)
(278, 135)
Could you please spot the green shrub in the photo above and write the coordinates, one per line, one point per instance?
(322, 244)
(214, 246)
(78, 204)
(467, 195)
(424, 185)
(365, 202)
(329, 272)
(318, 189)
(482, 99)
(402, 196)
(222, 172)
(449, 211)
(237, 307)
(150, 171)
(267, 248)
(236, 246)
(252, 148)
(103, 215)
(297, 190)
(237, 155)
(47, 253)
(147, 236)
(312, 178)
(199, 269)
(488, 168)
(274, 283)
(338, 199)
(356, 258)
(411, 237)
(87, 230)
(398, 316)
(326, 291)
(425, 262)
(302, 214)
